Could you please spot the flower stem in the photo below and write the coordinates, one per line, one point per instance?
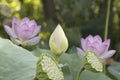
(106, 25)
(57, 58)
(104, 68)
(107, 19)
(80, 71)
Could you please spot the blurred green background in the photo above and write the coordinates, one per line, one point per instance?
(79, 18)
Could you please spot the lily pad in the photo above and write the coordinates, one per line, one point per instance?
(16, 63)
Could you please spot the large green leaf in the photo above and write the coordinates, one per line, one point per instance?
(74, 62)
(114, 69)
(16, 63)
(37, 52)
(88, 75)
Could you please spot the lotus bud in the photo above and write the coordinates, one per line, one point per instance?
(58, 41)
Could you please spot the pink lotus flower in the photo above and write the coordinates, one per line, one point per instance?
(95, 44)
(23, 32)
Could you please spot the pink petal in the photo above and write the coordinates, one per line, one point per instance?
(107, 42)
(96, 44)
(16, 29)
(102, 49)
(25, 19)
(83, 44)
(33, 41)
(90, 38)
(93, 48)
(9, 31)
(98, 39)
(80, 51)
(14, 22)
(99, 50)
(36, 31)
(24, 32)
(108, 54)
(24, 27)
(32, 22)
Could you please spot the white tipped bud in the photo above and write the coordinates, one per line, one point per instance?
(58, 41)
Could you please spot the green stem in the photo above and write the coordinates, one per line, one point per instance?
(107, 19)
(106, 25)
(104, 68)
(80, 71)
(57, 58)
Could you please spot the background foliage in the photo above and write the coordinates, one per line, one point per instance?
(78, 17)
